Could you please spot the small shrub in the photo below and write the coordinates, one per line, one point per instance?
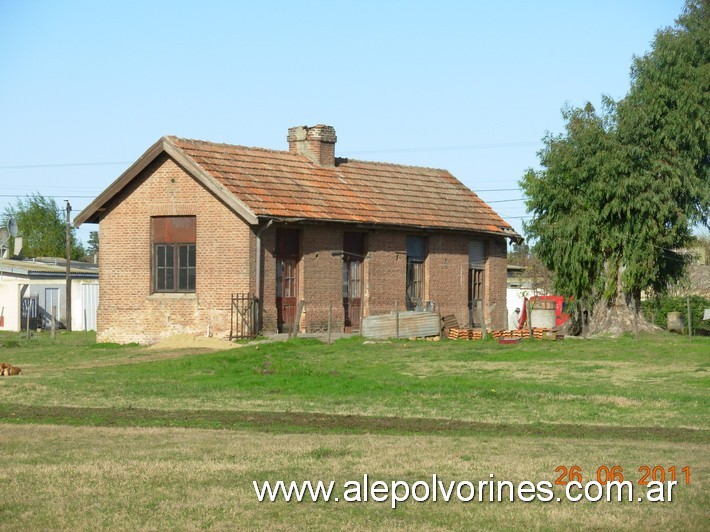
(657, 308)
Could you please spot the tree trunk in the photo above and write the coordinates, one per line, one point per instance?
(618, 316)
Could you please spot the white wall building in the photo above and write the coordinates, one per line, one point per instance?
(38, 287)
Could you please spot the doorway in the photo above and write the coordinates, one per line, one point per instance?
(353, 255)
(287, 258)
(476, 282)
(51, 307)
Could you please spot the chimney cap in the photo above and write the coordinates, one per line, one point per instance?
(321, 132)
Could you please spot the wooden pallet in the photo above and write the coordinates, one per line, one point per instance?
(538, 333)
(465, 334)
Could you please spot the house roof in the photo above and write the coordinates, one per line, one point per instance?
(47, 267)
(262, 184)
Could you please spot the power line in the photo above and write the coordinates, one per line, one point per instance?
(507, 200)
(452, 148)
(481, 146)
(59, 165)
(49, 196)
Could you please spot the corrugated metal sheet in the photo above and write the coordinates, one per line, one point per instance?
(411, 325)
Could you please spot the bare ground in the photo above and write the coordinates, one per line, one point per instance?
(329, 423)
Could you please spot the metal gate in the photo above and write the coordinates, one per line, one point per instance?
(245, 316)
(30, 307)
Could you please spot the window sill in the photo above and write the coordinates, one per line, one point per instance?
(173, 295)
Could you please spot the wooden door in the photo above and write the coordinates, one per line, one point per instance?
(353, 256)
(352, 293)
(287, 258)
(475, 297)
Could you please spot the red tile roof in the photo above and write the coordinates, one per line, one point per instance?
(283, 184)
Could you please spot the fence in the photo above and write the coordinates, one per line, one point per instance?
(245, 317)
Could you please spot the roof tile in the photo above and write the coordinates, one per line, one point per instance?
(283, 184)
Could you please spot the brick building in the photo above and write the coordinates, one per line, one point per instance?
(190, 223)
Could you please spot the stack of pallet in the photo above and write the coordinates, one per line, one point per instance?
(464, 334)
(537, 333)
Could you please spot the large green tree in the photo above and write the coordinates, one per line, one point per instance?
(620, 191)
(42, 225)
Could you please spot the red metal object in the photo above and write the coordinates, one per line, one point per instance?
(508, 341)
(559, 301)
(560, 316)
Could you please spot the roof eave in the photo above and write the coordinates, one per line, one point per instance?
(92, 213)
(504, 232)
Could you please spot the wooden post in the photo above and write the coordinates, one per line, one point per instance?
(296, 325)
(396, 318)
(29, 306)
(86, 328)
(438, 310)
(636, 319)
(690, 320)
(530, 327)
(330, 319)
(479, 307)
(68, 271)
(54, 323)
(231, 318)
(257, 318)
(362, 312)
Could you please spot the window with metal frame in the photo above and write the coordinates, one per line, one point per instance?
(174, 253)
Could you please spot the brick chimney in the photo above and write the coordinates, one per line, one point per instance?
(317, 143)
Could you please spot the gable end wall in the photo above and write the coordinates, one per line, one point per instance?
(128, 312)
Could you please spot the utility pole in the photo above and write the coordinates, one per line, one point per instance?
(68, 289)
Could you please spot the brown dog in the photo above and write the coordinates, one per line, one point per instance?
(8, 369)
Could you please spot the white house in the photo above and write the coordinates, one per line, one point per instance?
(35, 288)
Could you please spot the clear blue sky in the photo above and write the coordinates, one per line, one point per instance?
(468, 86)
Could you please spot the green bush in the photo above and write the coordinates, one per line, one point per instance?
(657, 308)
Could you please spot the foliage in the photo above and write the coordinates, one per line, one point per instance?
(92, 246)
(42, 225)
(568, 198)
(535, 270)
(657, 309)
(620, 190)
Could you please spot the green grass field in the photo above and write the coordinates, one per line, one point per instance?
(125, 437)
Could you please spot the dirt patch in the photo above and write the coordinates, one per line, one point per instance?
(187, 341)
(306, 422)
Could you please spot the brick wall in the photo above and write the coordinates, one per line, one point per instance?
(446, 268)
(384, 275)
(496, 285)
(385, 272)
(322, 277)
(128, 312)
(268, 292)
